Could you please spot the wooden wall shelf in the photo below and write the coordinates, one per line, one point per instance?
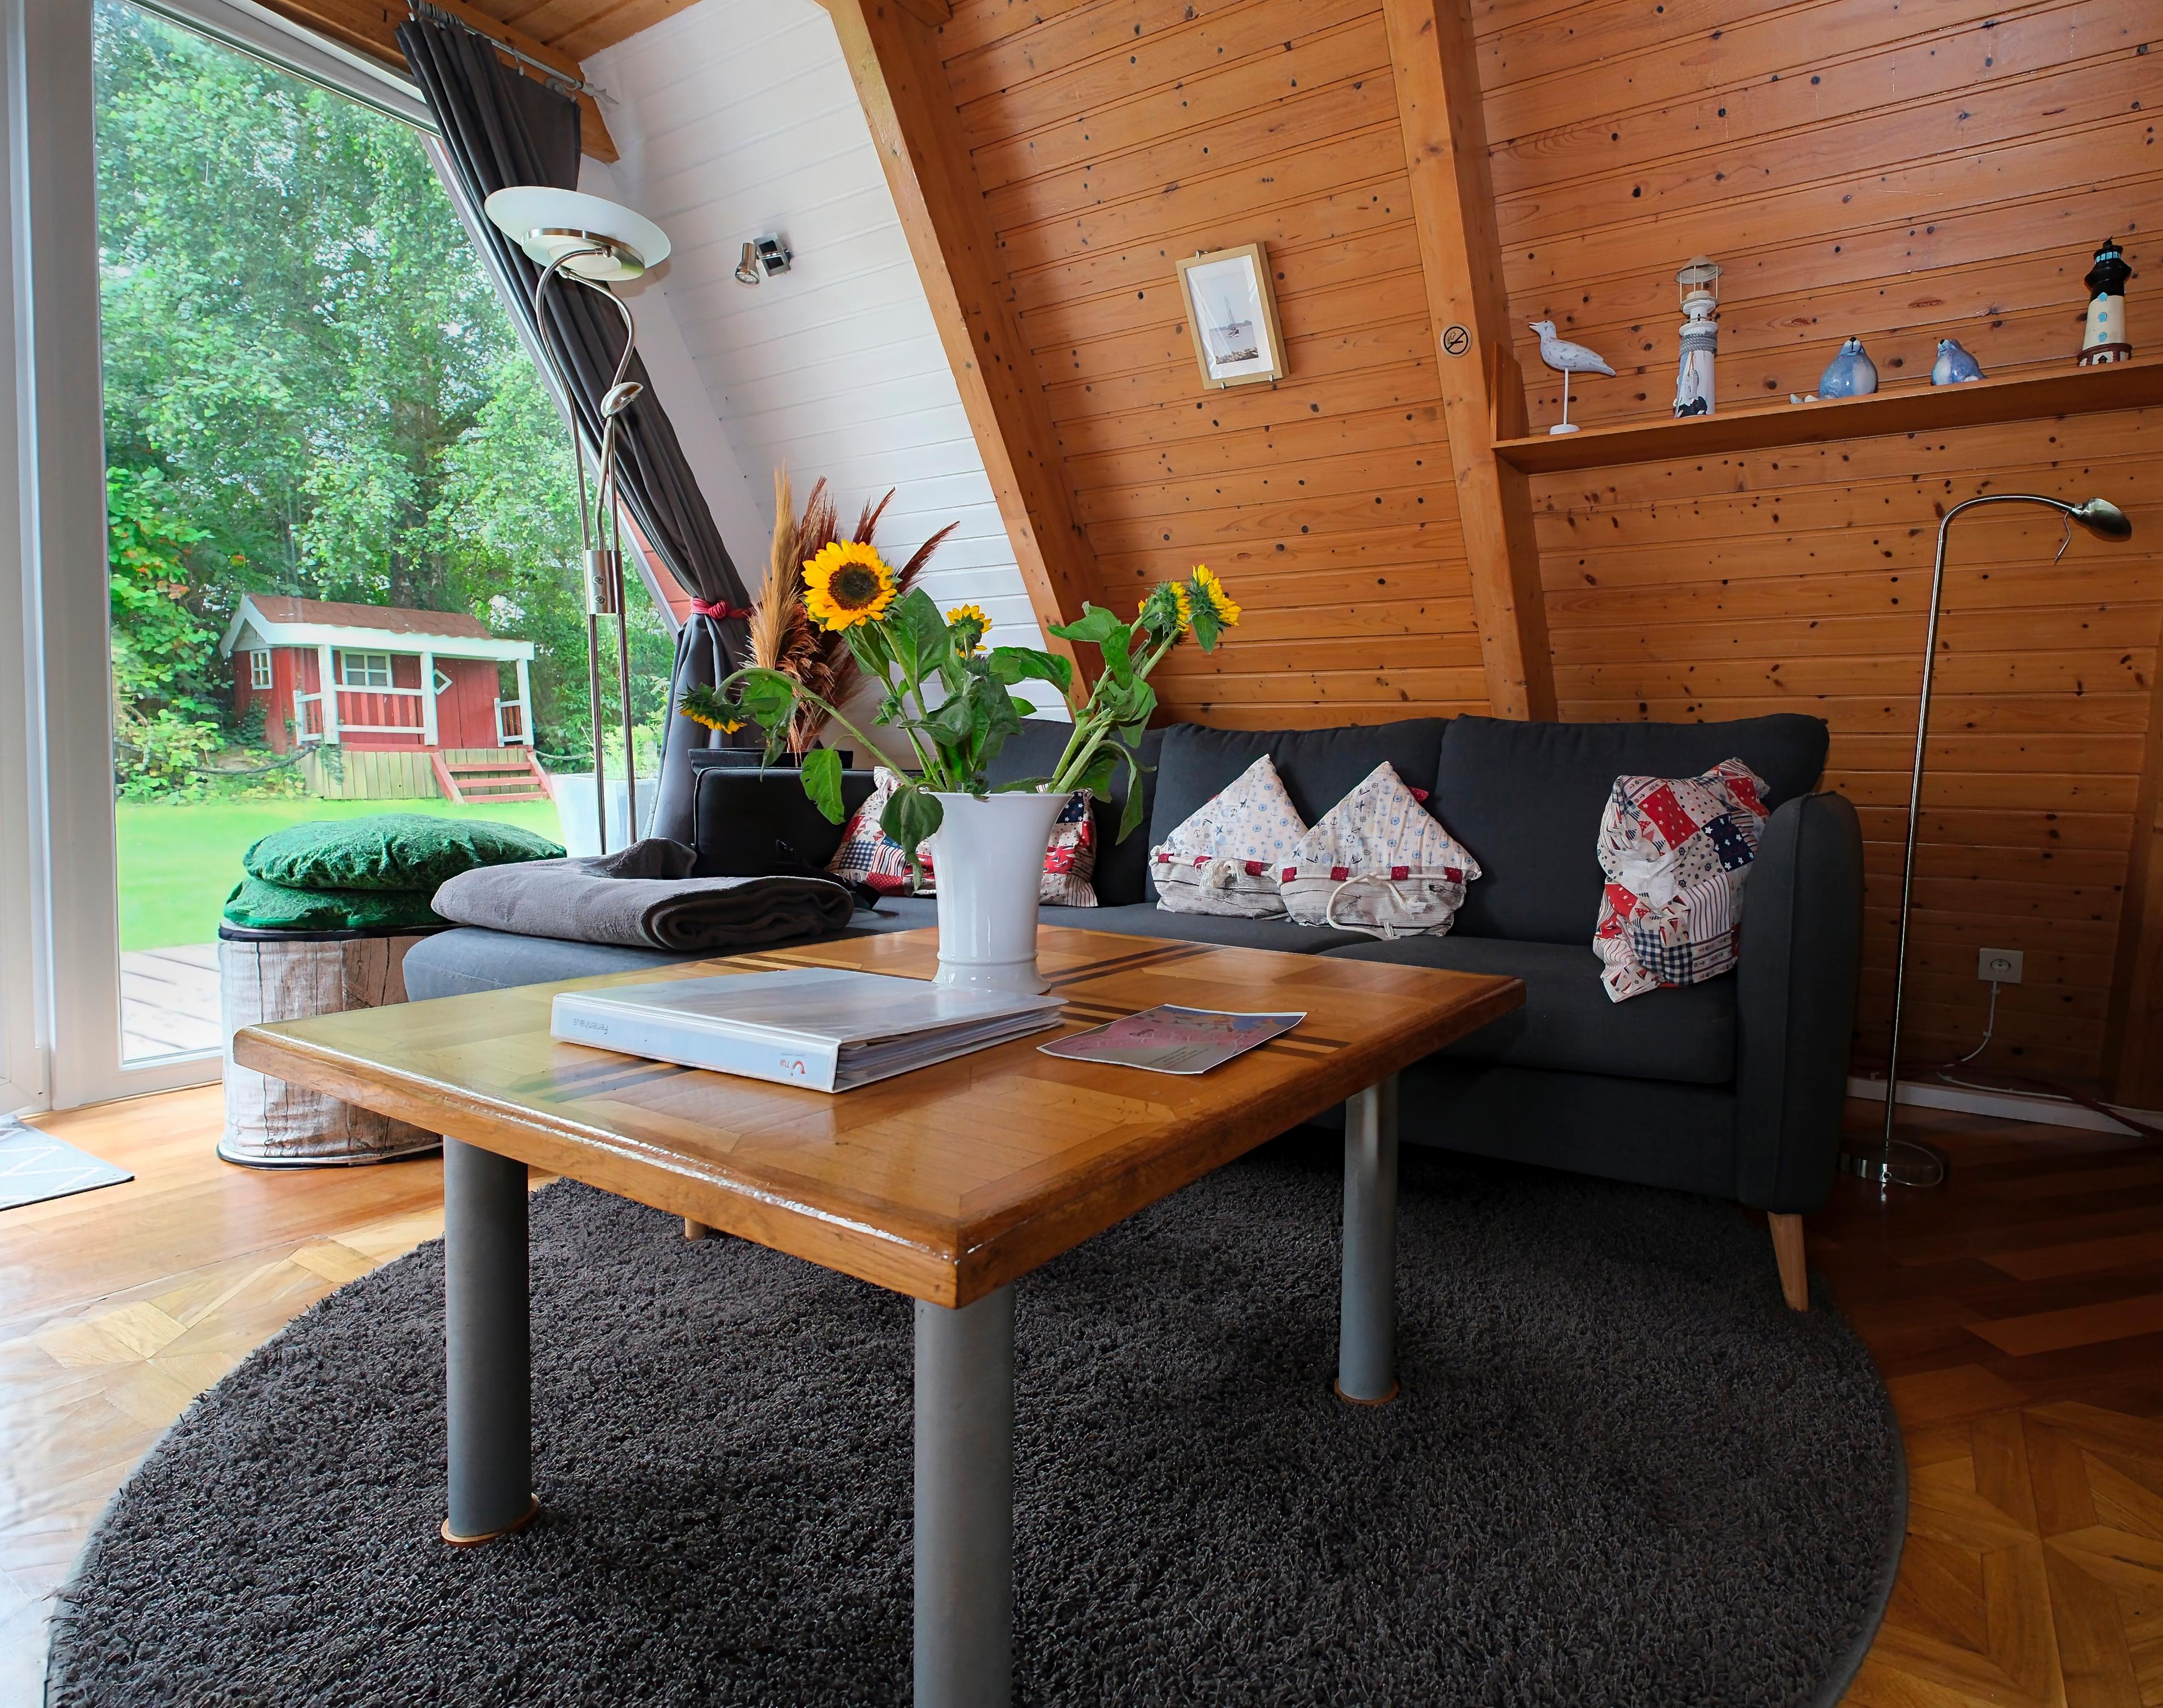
(1912, 409)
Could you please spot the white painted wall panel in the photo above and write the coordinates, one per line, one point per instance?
(736, 118)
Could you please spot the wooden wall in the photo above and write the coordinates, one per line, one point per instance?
(1899, 172)
(1110, 139)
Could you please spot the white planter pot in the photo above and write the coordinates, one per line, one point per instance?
(575, 814)
(988, 860)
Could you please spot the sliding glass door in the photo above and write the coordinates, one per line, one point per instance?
(305, 547)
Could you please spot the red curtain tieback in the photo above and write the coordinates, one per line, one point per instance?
(720, 610)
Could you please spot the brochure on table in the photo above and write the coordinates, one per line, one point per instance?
(1169, 1039)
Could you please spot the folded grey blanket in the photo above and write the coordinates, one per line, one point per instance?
(644, 896)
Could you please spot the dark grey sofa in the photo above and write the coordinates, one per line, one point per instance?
(1733, 1088)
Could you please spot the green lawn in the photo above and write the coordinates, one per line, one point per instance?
(178, 862)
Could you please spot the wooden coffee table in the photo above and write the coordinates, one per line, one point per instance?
(948, 1184)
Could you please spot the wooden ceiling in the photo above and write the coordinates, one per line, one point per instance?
(560, 34)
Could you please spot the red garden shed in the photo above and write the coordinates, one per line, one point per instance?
(425, 684)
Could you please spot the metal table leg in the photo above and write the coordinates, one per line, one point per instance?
(490, 1398)
(965, 1503)
(1367, 1317)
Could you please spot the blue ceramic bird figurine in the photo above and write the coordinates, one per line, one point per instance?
(1954, 365)
(1851, 374)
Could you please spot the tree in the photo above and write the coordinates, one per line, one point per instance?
(311, 383)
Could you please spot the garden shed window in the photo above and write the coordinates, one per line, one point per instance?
(365, 670)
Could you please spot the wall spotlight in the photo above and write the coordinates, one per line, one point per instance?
(762, 258)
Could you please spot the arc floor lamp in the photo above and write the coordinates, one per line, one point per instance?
(1898, 1161)
(594, 243)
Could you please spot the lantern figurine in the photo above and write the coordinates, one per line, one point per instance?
(2104, 340)
(1694, 391)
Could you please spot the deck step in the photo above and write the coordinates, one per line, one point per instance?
(464, 782)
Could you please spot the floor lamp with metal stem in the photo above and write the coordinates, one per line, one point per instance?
(592, 242)
(1898, 1161)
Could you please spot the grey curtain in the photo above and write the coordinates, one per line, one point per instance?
(500, 127)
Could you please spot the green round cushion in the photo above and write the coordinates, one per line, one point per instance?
(262, 906)
(389, 851)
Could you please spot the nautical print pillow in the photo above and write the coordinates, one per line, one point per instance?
(1378, 863)
(871, 857)
(1224, 859)
(1676, 852)
(1070, 861)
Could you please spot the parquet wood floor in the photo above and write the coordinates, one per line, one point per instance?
(2017, 1318)
(2014, 1315)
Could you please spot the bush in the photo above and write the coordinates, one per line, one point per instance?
(165, 757)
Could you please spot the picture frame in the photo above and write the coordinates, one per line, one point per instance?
(1232, 312)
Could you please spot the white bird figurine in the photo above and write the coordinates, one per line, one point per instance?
(1567, 358)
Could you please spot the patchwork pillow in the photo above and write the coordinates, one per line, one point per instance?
(1676, 852)
(1378, 863)
(1224, 858)
(867, 855)
(871, 857)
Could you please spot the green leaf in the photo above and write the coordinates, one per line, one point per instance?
(865, 648)
(1206, 628)
(953, 722)
(996, 716)
(822, 781)
(1130, 816)
(769, 696)
(1119, 663)
(1018, 663)
(1093, 624)
(911, 816)
(1097, 778)
(915, 615)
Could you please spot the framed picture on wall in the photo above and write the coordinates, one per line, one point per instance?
(1233, 314)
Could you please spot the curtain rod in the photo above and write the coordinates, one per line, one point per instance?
(554, 74)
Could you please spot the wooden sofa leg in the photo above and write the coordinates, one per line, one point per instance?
(1788, 1250)
(699, 1230)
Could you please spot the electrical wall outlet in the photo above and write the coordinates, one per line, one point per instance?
(1998, 966)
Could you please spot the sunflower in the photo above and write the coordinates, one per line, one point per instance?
(1207, 586)
(702, 705)
(845, 584)
(973, 618)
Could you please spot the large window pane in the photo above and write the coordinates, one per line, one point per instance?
(343, 539)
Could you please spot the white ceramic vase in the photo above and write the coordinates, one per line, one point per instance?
(988, 860)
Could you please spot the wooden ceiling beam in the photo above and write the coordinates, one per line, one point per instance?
(1483, 395)
(902, 82)
(372, 28)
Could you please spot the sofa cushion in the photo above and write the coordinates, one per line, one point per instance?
(1568, 1022)
(1146, 919)
(1032, 751)
(1527, 799)
(1319, 767)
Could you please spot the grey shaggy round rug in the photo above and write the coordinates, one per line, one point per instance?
(1621, 1471)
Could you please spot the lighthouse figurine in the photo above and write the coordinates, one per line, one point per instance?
(2105, 339)
(1694, 392)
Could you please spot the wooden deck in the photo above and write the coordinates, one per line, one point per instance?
(168, 1001)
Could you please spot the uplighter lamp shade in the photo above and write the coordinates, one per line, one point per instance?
(550, 223)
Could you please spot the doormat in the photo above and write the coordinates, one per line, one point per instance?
(35, 1166)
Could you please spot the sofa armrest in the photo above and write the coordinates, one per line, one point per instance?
(746, 823)
(1802, 949)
